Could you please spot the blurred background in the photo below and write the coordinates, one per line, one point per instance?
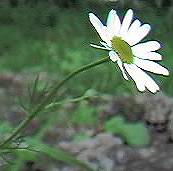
(51, 38)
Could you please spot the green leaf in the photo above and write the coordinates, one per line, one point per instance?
(133, 133)
(115, 125)
(136, 134)
(25, 154)
(57, 154)
(85, 115)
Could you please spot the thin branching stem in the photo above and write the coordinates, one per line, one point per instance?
(75, 100)
(48, 99)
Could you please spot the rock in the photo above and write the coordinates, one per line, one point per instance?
(94, 151)
(147, 152)
(157, 107)
(105, 139)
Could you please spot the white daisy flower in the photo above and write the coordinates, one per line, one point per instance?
(122, 42)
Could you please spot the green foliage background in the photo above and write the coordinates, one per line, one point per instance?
(46, 37)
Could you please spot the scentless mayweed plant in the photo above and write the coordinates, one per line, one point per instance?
(121, 40)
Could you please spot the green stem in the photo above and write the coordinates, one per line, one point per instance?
(84, 68)
(75, 100)
(47, 99)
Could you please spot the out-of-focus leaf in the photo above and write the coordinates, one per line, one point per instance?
(57, 154)
(85, 115)
(115, 125)
(25, 154)
(136, 134)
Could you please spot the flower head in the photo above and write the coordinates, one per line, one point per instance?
(122, 39)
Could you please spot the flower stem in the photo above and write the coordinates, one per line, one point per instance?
(48, 99)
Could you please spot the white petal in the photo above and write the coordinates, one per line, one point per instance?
(126, 22)
(141, 79)
(108, 36)
(151, 66)
(105, 45)
(134, 26)
(96, 23)
(139, 34)
(136, 76)
(150, 56)
(99, 47)
(100, 28)
(149, 83)
(113, 23)
(131, 32)
(120, 64)
(145, 47)
(113, 56)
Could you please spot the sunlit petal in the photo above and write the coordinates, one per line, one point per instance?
(141, 79)
(134, 26)
(140, 33)
(131, 32)
(113, 23)
(126, 22)
(151, 66)
(145, 47)
(136, 76)
(150, 56)
(100, 28)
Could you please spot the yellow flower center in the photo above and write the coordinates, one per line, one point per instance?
(123, 49)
